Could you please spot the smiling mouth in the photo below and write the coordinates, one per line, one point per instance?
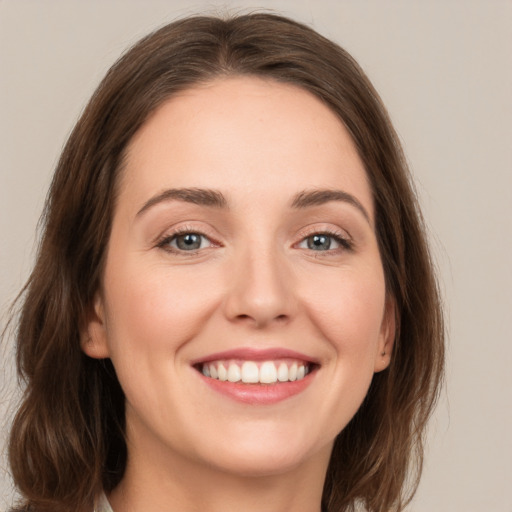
(256, 372)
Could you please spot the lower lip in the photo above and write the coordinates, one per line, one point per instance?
(259, 394)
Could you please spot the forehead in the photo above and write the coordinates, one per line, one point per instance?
(240, 134)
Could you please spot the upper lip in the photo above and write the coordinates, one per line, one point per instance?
(254, 354)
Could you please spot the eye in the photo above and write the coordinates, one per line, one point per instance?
(187, 241)
(324, 242)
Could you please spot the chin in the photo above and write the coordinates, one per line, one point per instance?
(267, 453)
(261, 464)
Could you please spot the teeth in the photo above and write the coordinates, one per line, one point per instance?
(268, 373)
(250, 372)
(234, 373)
(282, 373)
(223, 373)
(292, 374)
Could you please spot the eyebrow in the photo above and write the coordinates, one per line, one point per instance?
(215, 199)
(200, 196)
(308, 198)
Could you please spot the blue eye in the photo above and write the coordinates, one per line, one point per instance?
(188, 241)
(319, 242)
(324, 242)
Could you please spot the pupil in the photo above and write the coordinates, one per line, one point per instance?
(189, 241)
(319, 242)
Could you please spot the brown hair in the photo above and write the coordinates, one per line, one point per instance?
(67, 440)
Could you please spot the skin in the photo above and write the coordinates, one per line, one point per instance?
(253, 283)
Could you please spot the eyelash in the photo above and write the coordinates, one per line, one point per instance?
(340, 238)
(165, 242)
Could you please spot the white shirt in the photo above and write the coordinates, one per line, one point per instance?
(102, 504)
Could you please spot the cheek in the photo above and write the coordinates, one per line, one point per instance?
(155, 311)
(348, 309)
(151, 315)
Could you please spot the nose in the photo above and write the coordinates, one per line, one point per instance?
(261, 290)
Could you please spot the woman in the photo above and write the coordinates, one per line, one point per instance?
(233, 304)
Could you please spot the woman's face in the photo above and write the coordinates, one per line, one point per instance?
(242, 247)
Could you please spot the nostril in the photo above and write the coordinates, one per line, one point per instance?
(258, 320)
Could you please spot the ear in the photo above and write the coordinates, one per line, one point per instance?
(93, 338)
(386, 336)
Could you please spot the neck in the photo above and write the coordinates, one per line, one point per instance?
(170, 483)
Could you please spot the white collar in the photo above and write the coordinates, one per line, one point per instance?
(102, 505)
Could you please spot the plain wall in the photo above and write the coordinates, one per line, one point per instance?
(444, 70)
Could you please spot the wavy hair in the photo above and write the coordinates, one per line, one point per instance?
(67, 440)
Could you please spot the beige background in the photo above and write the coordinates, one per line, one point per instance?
(443, 68)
